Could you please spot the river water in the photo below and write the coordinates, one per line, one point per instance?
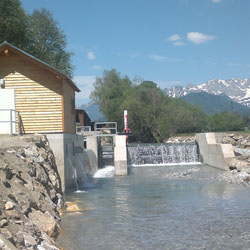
(159, 207)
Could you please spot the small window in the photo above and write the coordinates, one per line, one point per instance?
(2, 82)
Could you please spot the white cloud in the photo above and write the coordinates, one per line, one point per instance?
(91, 55)
(216, 1)
(174, 38)
(85, 84)
(198, 38)
(97, 67)
(157, 57)
(179, 43)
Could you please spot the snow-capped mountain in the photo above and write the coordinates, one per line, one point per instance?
(236, 89)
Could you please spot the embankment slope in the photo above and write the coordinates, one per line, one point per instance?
(30, 194)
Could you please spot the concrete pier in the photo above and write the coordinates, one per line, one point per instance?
(213, 152)
(120, 155)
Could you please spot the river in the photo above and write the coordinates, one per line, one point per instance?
(159, 207)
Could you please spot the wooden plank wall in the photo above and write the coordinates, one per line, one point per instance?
(38, 94)
(69, 108)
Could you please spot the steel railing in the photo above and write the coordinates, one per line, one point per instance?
(106, 128)
(14, 119)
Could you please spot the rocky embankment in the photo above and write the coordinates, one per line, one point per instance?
(240, 165)
(30, 194)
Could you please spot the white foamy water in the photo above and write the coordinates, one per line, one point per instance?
(106, 172)
(168, 164)
(80, 191)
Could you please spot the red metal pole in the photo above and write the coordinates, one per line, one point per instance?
(126, 128)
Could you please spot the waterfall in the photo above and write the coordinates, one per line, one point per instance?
(74, 174)
(162, 154)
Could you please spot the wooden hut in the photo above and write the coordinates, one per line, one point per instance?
(43, 96)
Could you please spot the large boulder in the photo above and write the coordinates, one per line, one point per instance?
(45, 222)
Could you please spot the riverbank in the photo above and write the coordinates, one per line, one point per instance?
(159, 207)
(30, 194)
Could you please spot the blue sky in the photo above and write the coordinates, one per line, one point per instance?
(170, 42)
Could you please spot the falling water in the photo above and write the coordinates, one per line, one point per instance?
(75, 175)
(162, 154)
(74, 172)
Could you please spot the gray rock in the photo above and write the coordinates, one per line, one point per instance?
(29, 241)
(9, 205)
(240, 151)
(228, 140)
(238, 137)
(47, 246)
(44, 221)
(2, 245)
(19, 238)
(3, 223)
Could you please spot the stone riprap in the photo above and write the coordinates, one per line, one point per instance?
(30, 194)
(241, 145)
(238, 140)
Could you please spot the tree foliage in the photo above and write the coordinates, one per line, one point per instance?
(226, 121)
(38, 34)
(47, 42)
(13, 23)
(110, 92)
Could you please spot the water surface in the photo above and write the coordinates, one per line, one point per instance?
(164, 207)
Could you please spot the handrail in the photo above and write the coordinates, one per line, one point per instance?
(12, 121)
(106, 128)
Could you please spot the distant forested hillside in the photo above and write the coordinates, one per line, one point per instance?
(211, 104)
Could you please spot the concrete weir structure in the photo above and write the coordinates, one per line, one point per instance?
(213, 152)
(74, 163)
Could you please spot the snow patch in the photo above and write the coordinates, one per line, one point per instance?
(247, 94)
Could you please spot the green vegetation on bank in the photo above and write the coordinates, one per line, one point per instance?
(154, 116)
(37, 34)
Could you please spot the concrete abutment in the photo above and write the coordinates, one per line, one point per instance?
(213, 152)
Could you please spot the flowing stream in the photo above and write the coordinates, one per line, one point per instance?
(159, 207)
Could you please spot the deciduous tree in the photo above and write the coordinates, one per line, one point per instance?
(47, 42)
(13, 23)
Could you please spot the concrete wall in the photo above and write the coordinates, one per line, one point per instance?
(74, 164)
(120, 155)
(213, 152)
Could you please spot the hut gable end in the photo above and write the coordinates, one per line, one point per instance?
(39, 92)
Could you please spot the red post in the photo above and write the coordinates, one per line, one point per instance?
(126, 128)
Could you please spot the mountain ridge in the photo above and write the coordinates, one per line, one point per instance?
(236, 89)
(211, 104)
